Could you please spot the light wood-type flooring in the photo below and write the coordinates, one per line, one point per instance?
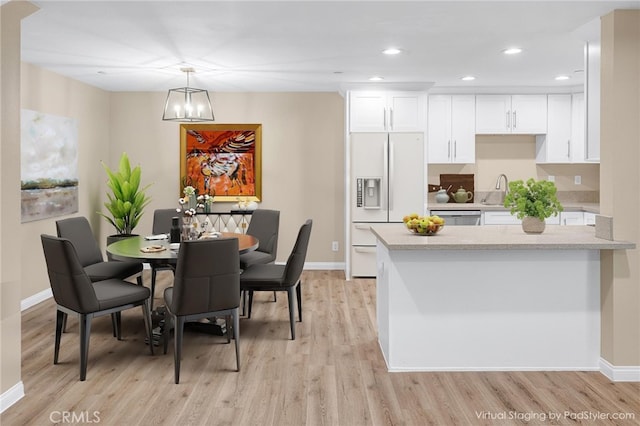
(332, 374)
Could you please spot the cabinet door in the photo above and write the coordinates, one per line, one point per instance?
(439, 129)
(578, 143)
(406, 174)
(463, 125)
(405, 112)
(493, 114)
(529, 114)
(558, 138)
(367, 112)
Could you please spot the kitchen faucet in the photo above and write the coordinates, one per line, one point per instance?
(506, 185)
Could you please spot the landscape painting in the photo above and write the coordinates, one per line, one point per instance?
(48, 165)
(223, 160)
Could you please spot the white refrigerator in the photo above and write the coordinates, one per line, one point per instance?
(387, 183)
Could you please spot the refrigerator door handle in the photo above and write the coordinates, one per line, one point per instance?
(391, 174)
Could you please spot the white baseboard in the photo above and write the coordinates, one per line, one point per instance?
(10, 397)
(324, 266)
(35, 299)
(620, 373)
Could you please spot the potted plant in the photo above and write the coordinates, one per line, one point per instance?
(126, 200)
(533, 202)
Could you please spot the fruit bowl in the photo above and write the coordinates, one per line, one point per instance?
(423, 225)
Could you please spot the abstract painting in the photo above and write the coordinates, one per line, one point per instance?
(223, 160)
(48, 166)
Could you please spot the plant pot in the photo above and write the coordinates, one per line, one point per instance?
(533, 225)
(116, 237)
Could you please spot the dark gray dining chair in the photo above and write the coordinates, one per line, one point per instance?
(264, 225)
(272, 277)
(206, 285)
(75, 293)
(161, 225)
(78, 231)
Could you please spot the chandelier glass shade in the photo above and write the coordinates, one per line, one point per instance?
(188, 104)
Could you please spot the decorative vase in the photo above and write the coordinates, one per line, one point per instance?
(533, 225)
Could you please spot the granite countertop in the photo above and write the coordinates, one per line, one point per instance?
(568, 207)
(395, 236)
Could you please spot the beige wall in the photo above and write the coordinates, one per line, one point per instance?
(620, 156)
(515, 156)
(11, 279)
(51, 93)
(302, 157)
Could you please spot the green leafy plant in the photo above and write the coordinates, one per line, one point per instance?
(126, 200)
(533, 198)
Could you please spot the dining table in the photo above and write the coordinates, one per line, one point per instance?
(156, 249)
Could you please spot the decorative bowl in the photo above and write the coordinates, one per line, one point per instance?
(423, 225)
(422, 231)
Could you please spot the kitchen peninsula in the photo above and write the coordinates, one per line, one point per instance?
(490, 298)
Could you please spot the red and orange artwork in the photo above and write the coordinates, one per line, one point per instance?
(221, 162)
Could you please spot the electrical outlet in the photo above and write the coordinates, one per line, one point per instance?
(551, 178)
(577, 180)
(334, 246)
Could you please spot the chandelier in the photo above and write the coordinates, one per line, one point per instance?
(188, 104)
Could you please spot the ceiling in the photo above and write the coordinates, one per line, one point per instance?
(238, 46)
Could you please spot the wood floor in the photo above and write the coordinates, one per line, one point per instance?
(332, 374)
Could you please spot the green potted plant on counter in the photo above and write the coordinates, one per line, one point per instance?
(532, 202)
(127, 199)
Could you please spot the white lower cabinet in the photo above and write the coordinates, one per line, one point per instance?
(363, 250)
(589, 218)
(506, 218)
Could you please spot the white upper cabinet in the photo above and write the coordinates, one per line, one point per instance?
(386, 111)
(511, 114)
(564, 141)
(451, 129)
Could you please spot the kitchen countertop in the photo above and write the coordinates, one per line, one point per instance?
(568, 207)
(395, 236)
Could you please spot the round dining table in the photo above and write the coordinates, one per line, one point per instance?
(145, 250)
(139, 248)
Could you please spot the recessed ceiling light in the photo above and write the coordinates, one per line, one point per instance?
(376, 78)
(562, 77)
(468, 78)
(512, 51)
(392, 51)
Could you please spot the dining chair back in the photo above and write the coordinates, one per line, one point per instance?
(75, 293)
(206, 285)
(272, 277)
(264, 226)
(162, 220)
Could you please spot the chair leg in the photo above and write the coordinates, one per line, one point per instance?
(236, 335)
(139, 279)
(85, 332)
(116, 321)
(243, 301)
(146, 315)
(228, 326)
(64, 323)
(299, 297)
(177, 350)
(153, 284)
(275, 299)
(60, 323)
(292, 310)
(250, 303)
